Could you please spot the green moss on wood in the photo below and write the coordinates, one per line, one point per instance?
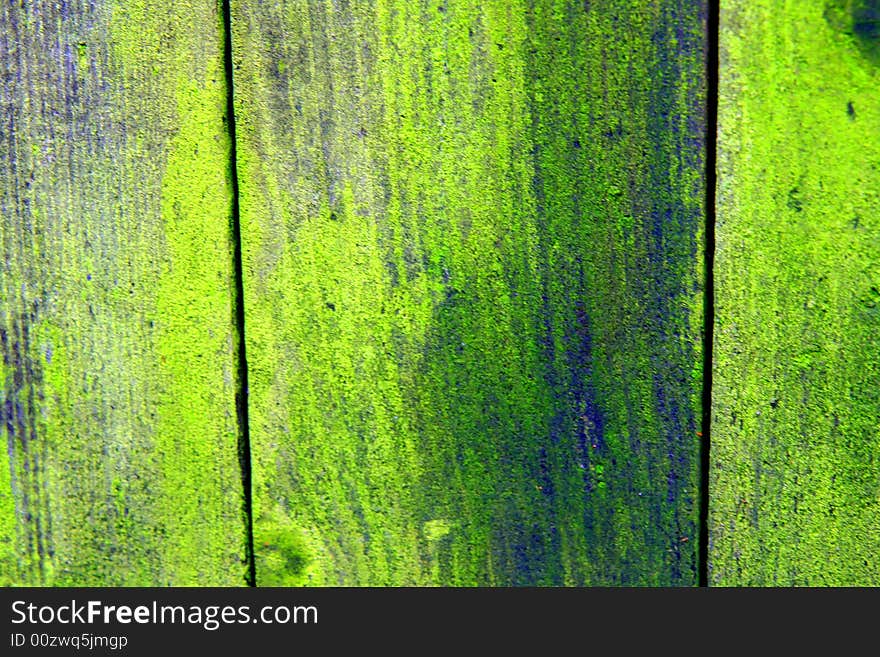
(472, 244)
(117, 263)
(795, 484)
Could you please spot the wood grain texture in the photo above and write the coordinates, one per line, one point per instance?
(472, 239)
(795, 457)
(116, 323)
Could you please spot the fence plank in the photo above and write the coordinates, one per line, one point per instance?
(795, 482)
(116, 317)
(472, 236)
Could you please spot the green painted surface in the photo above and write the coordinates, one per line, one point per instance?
(118, 378)
(472, 241)
(795, 457)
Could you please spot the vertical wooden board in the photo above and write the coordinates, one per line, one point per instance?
(472, 243)
(795, 457)
(116, 316)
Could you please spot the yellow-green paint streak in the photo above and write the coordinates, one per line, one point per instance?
(795, 457)
(472, 244)
(116, 316)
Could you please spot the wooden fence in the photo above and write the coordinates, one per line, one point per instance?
(440, 292)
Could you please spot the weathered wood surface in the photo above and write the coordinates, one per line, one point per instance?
(795, 456)
(472, 237)
(117, 385)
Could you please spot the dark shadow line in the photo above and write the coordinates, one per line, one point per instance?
(241, 394)
(709, 278)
